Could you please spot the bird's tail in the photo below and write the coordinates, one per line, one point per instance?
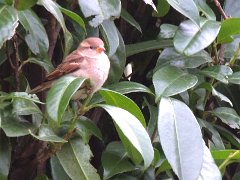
(42, 87)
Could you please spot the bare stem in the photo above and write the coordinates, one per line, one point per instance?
(217, 3)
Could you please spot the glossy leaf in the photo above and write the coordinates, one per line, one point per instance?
(221, 96)
(74, 17)
(186, 7)
(57, 170)
(205, 9)
(234, 78)
(209, 169)
(190, 39)
(77, 162)
(100, 10)
(54, 9)
(216, 142)
(5, 156)
(219, 72)
(110, 34)
(24, 4)
(46, 64)
(86, 127)
(229, 27)
(8, 23)
(228, 116)
(169, 81)
(133, 131)
(15, 126)
(172, 57)
(118, 61)
(128, 18)
(167, 31)
(229, 136)
(60, 94)
(116, 99)
(132, 49)
(46, 133)
(24, 107)
(150, 2)
(162, 8)
(180, 138)
(115, 160)
(123, 87)
(25, 96)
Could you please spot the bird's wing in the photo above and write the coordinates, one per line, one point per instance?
(71, 63)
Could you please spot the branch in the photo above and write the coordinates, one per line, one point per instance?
(217, 3)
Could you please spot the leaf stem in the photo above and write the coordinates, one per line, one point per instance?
(235, 56)
(228, 159)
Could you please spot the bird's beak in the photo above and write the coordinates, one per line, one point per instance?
(100, 49)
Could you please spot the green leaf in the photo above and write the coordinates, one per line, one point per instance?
(224, 154)
(216, 142)
(86, 127)
(128, 18)
(24, 4)
(228, 116)
(186, 7)
(234, 78)
(150, 2)
(8, 23)
(123, 87)
(172, 57)
(118, 61)
(152, 123)
(5, 156)
(100, 10)
(133, 131)
(136, 48)
(60, 94)
(46, 64)
(16, 126)
(25, 96)
(228, 135)
(162, 8)
(47, 134)
(205, 9)
(24, 107)
(57, 170)
(41, 177)
(167, 31)
(74, 17)
(115, 160)
(75, 159)
(54, 9)
(229, 27)
(169, 81)
(221, 96)
(36, 37)
(190, 39)
(110, 34)
(116, 99)
(209, 169)
(219, 72)
(180, 138)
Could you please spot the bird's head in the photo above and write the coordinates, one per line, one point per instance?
(92, 44)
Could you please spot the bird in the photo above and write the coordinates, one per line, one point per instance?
(88, 61)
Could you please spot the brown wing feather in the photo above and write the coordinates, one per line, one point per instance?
(71, 63)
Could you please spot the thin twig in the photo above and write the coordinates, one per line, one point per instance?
(17, 60)
(217, 3)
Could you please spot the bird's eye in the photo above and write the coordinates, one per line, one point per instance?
(92, 47)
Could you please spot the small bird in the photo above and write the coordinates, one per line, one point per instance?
(87, 61)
